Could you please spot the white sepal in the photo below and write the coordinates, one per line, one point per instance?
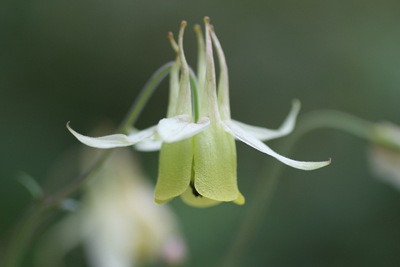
(250, 140)
(264, 134)
(153, 143)
(180, 127)
(114, 140)
(149, 145)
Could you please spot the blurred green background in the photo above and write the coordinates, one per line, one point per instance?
(85, 61)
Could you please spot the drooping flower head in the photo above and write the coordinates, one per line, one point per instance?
(213, 169)
(198, 153)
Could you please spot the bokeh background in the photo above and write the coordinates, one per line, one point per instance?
(85, 62)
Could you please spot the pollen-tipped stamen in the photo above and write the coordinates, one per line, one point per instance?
(174, 44)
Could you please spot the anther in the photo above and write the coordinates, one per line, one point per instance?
(173, 43)
(183, 25)
(197, 28)
(206, 20)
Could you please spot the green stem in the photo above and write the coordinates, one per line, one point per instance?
(33, 216)
(334, 120)
(265, 188)
(144, 96)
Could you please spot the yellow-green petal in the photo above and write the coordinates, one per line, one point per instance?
(176, 159)
(215, 164)
(215, 150)
(240, 200)
(157, 201)
(174, 170)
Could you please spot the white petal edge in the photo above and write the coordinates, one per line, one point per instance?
(148, 145)
(265, 134)
(180, 127)
(151, 144)
(260, 146)
(114, 140)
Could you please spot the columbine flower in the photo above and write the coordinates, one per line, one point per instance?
(117, 222)
(198, 158)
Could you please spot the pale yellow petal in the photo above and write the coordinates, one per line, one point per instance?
(162, 201)
(215, 164)
(240, 200)
(174, 170)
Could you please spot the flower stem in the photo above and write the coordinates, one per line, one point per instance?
(144, 96)
(265, 188)
(33, 216)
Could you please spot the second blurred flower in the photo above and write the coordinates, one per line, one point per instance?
(118, 222)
